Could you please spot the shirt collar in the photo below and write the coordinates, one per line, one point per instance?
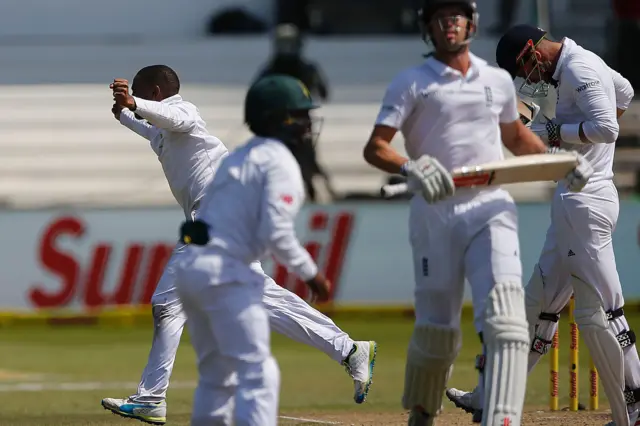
(442, 69)
(172, 99)
(567, 47)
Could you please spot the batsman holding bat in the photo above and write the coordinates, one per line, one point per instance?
(577, 257)
(455, 110)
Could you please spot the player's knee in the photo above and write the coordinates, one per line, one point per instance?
(505, 318)
(434, 346)
(589, 311)
(590, 318)
(163, 312)
(263, 375)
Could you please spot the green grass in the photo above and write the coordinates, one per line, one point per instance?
(311, 382)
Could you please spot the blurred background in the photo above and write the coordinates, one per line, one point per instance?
(87, 217)
(87, 220)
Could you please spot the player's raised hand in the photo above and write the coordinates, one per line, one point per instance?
(427, 176)
(121, 94)
(580, 175)
(320, 288)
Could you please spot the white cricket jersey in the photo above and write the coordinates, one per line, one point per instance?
(178, 135)
(252, 203)
(586, 93)
(451, 117)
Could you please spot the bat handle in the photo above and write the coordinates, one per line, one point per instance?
(388, 191)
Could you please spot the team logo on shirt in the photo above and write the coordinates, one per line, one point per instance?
(288, 199)
(488, 96)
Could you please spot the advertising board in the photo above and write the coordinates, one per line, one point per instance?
(88, 259)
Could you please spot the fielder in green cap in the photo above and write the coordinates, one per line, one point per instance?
(249, 212)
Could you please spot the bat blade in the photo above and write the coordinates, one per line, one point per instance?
(525, 168)
(522, 169)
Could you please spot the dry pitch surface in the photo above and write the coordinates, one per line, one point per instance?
(57, 376)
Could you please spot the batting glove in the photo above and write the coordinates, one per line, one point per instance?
(578, 177)
(427, 176)
(549, 132)
(528, 117)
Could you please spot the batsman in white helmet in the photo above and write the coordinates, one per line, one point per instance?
(455, 110)
(577, 257)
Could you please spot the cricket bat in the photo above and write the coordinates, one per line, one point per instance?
(525, 168)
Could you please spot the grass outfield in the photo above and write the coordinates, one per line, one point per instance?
(58, 375)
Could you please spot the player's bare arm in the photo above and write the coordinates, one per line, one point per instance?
(380, 154)
(519, 140)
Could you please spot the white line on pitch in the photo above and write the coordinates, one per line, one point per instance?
(302, 419)
(90, 386)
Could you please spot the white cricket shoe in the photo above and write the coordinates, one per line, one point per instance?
(154, 413)
(359, 364)
(466, 401)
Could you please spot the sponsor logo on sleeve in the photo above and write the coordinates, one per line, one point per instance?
(587, 85)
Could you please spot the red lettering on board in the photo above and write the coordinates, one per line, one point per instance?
(57, 262)
(330, 260)
(138, 273)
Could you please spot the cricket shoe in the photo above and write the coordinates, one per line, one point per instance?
(154, 413)
(467, 402)
(359, 364)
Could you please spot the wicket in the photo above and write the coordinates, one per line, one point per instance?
(554, 370)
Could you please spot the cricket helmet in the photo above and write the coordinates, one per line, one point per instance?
(516, 54)
(430, 7)
(278, 106)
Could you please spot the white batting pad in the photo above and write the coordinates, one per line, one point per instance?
(603, 346)
(430, 357)
(506, 336)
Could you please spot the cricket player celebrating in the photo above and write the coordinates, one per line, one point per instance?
(454, 110)
(249, 211)
(189, 156)
(577, 257)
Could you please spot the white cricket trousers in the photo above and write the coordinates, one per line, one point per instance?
(474, 237)
(238, 378)
(578, 250)
(288, 315)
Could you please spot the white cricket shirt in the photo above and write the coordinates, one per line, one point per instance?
(178, 135)
(251, 207)
(587, 94)
(451, 117)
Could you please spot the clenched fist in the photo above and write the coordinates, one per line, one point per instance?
(320, 288)
(121, 95)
